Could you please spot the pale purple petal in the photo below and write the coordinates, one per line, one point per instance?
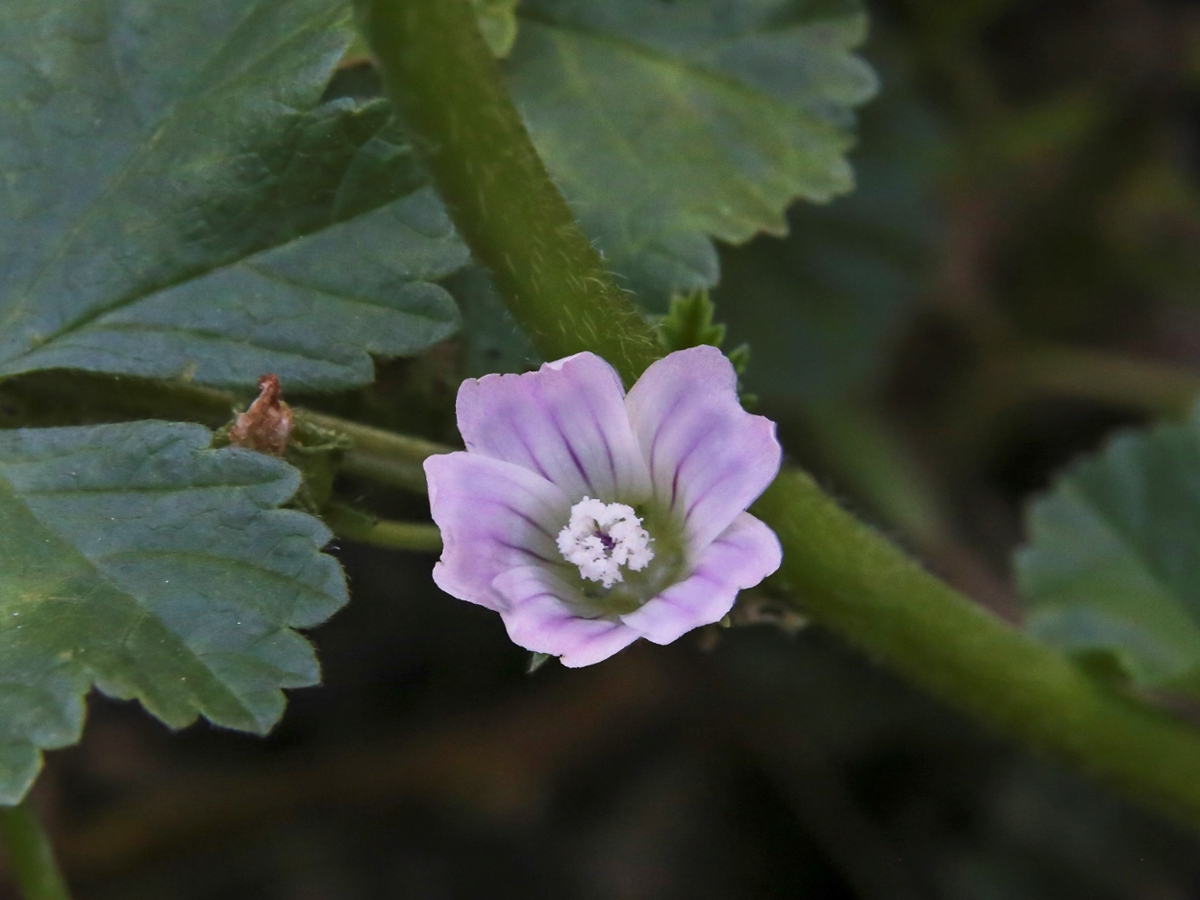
(742, 556)
(708, 458)
(538, 618)
(538, 443)
(566, 421)
(493, 516)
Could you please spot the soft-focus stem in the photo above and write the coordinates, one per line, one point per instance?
(352, 525)
(1122, 381)
(839, 572)
(30, 855)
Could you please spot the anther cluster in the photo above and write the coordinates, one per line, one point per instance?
(601, 538)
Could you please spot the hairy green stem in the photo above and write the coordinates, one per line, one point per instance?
(440, 72)
(846, 576)
(353, 525)
(30, 855)
(839, 572)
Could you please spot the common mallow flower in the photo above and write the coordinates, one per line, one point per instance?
(589, 518)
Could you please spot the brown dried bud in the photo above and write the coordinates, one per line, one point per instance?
(267, 425)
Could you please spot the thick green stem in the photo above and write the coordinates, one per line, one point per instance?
(839, 572)
(30, 855)
(440, 72)
(846, 576)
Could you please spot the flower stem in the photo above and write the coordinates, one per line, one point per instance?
(353, 525)
(379, 455)
(30, 854)
(1123, 381)
(56, 398)
(840, 572)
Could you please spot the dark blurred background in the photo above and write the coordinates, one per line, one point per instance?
(1015, 278)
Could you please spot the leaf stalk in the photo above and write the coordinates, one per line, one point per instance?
(1125, 382)
(353, 525)
(379, 455)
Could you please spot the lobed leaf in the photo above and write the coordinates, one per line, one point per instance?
(1112, 567)
(820, 306)
(135, 558)
(667, 124)
(179, 202)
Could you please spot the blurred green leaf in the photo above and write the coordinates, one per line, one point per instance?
(668, 124)
(1047, 128)
(179, 202)
(135, 558)
(1113, 559)
(1151, 223)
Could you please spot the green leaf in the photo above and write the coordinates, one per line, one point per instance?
(179, 202)
(135, 558)
(819, 306)
(689, 323)
(667, 124)
(492, 340)
(1113, 560)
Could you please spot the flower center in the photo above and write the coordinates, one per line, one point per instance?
(602, 537)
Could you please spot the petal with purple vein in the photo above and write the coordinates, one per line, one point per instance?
(741, 556)
(566, 421)
(708, 458)
(539, 617)
(493, 516)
